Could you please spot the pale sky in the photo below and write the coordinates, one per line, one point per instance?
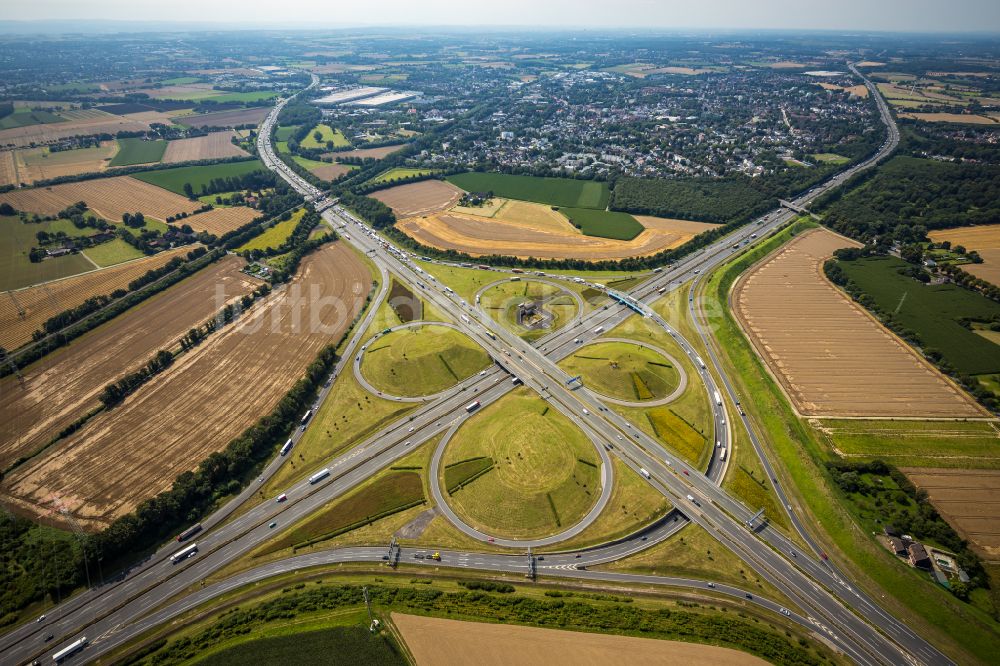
(878, 15)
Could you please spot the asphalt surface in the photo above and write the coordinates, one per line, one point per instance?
(113, 613)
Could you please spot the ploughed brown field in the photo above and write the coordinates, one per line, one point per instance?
(830, 356)
(107, 197)
(968, 499)
(985, 239)
(209, 396)
(24, 311)
(330, 171)
(427, 196)
(363, 153)
(251, 116)
(211, 146)
(220, 220)
(64, 385)
(437, 641)
(428, 213)
(80, 122)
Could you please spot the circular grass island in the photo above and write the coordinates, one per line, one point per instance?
(520, 470)
(624, 370)
(421, 360)
(550, 307)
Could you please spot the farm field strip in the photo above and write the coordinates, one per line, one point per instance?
(830, 356)
(206, 398)
(251, 116)
(214, 145)
(108, 197)
(25, 310)
(82, 123)
(63, 385)
(968, 499)
(219, 221)
(985, 239)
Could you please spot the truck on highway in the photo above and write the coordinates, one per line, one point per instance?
(189, 532)
(436, 556)
(286, 448)
(319, 476)
(599, 329)
(472, 406)
(645, 474)
(701, 363)
(657, 270)
(515, 279)
(184, 553)
(722, 455)
(661, 290)
(465, 318)
(306, 417)
(70, 650)
(515, 380)
(491, 335)
(718, 398)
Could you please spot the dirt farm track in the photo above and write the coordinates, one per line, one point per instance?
(441, 642)
(63, 385)
(831, 357)
(209, 396)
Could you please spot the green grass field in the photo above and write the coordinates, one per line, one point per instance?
(274, 236)
(138, 151)
(113, 252)
(198, 176)
(502, 303)
(553, 191)
(547, 473)
(285, 133)
(967, 444)
(222, 96)
(26, 118)
(328, 134)
(16, 241)
(398, 173)
(623, 371)
(329, 646)
(830, 158)
(439, 356)
(603, 223)
(932, 311)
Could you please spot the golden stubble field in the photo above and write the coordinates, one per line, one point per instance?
(24, 311)
(427, 212)
(60, 387)
(437, 641)
(984, 239)
(220, 220)
(108, 197)
(968, 499)
(79, 122)
(214, 145)
(829, 355)
(209, 396)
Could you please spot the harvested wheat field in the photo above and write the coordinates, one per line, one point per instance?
(983, 239)
(219, 221)
(367, 153)
(830, 356)
(62, 386)
(107, 197)
(331, 171)
(859, 90)
(209, 396)
(526, 229)
(209, 147)
(8, 168)
(437, 641)
(968, 499)
(423, 198)
(251, 116)
(80, 123)
(39, 164)
(962, 118)
(23, 311)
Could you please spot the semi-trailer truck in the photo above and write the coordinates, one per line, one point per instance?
(184, 553)
(472, 406)
(286, 448)
(319, 476)
(718, 398)
(70, 650)
(701, 363)
(722, 455)
(189, 532)
(599, 329)
(307, 416)
(645, 474)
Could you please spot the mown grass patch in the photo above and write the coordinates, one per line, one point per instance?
(603, 223)
(138, 151)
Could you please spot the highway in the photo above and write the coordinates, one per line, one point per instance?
(109, 614)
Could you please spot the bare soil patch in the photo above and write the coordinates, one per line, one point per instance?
(984, 239)
(206, 398)
(968, 499)
(830, 356)
(24, 311)
(330, 171)
(212, 146)
(372, 153)
(63, 385)
(108, 197)
(423, 198)
(439, 642)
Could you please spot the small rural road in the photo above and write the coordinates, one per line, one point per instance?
(431, 397)
(676, 393)
(441, 502)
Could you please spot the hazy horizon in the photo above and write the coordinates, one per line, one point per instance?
(973, 16)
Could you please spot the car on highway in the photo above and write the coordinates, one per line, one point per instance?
(711, 584)
(749, 596)
(273, 525)
(281, 498)
(785, 612)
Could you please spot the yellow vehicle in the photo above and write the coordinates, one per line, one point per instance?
(436, 556)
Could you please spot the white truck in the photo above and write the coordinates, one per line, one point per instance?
(319, 476)
(286, 448)
(722, 455)
(718, 398)
(472, 406)
(184, 553)
(645, 474)
(70, 650)
(701, 363)
(599, 329)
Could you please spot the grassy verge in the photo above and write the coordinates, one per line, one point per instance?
(622, 370)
